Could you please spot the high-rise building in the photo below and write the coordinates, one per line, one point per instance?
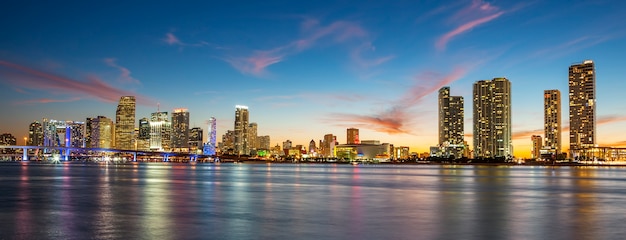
(195, 139)
(63, 133)
(180, 129)
(228, 142)
(582, 106)
(7, 139)
(252, 136)
(552, 120)
(35, 134)
(451, 114)
(312, 147)
(100, 132)
(328, 148)
(125, 123)
(353, 136)
(144, 129)
(536, 147)
(160, 131)
(264, 142)
(241, 131)
(211, 145)
(492, 118)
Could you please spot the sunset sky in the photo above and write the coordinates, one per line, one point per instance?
(308, 68)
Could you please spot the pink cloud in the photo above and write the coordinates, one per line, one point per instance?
(474, 15)
(312, 33)
(124, 72)
(443, 40)
(171, 39)
(48, 100)
(29, 78)
(399, 116)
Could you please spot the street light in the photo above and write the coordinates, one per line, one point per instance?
(25, 138)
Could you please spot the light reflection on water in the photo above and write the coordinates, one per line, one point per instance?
(279, 201)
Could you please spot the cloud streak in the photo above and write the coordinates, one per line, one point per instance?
(476, 14)
(312, 34)
(48, 100)
(398, 118)
(124, 72)
(29, 78)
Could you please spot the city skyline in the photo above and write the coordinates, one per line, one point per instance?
(307, 70)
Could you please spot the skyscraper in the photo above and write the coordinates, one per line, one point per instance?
(352, 136)
(180, 129)
(492, 118)
(101, 131)
(534, 152)
(451, 114)
(252, 136)
(160, 131)
(241, 130)
(264, 142)
(125, 123)
(143, 135)
(209, 147)
(330, 142)
(195, 139)
(552, 120)
(35, 134)
(582, 106)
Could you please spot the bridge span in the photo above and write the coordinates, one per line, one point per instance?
(42, 153)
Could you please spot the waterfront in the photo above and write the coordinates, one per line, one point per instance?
(309, 201)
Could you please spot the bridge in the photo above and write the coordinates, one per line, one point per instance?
(97, 154)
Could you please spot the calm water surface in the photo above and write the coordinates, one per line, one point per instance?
(284, 201)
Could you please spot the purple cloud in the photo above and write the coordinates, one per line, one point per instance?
(476, 14)
(124, 72)
(29, 78)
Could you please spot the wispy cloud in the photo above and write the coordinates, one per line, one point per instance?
(358, 53)
(124, 72)
(48, 100)
(570, 46)
(171, 39)
(474, 15)
(398, 118)
(94, 88)
(312, 34)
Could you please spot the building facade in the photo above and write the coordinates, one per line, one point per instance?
(160, 131)
(195, 139)
(582, 106)
(552, 121)
(252, 136)
(451, 118)
(352, 136)
(492, 118)
(35, 134)
(101, 132)
(211, 145)
(125, 123)
(535, 151)
(180, 129)
(241, 146)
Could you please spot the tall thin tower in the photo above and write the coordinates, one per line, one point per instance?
(180, 128)
(492, 118)
(125, 123)
(209, 147)
(552, 120)
(241, 130)
(451, 114)
(582, 106)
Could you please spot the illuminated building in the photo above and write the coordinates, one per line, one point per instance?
(100, 132)
(63, 133)
(252, 136)
(227, 146)
(286, 147)
(35, 134)
(180, 129)
(451, 114)
(143, 135)
(160, 131)
(210, 146)
(582, 106)
(402, 153)
(7, 139)
(195, 139)
(125, 123)
(312, 147)
(536, 147)
(492, 118)
(352, 136)
(241, 146)
(328, 149)
(264, 142)
(552, 120)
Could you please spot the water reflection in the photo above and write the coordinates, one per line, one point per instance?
(280, 201)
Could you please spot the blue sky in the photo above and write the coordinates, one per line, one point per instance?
(306, 69)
